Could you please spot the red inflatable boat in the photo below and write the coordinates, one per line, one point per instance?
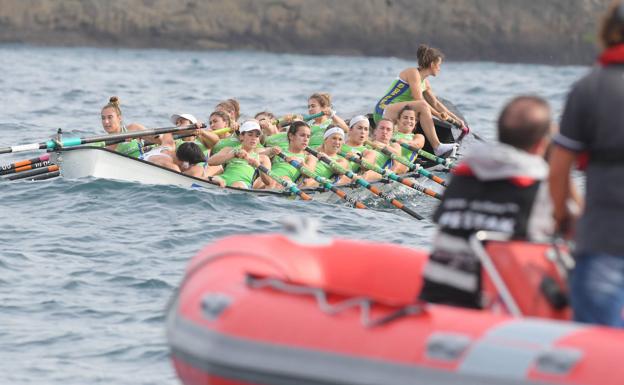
(276, 309)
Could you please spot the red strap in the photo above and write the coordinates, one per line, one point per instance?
(462, 170)
(521, 181)
(582, 161)
(612, 55)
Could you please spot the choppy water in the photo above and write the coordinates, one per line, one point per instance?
(86, 267)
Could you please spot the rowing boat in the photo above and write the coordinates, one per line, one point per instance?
(97, 162)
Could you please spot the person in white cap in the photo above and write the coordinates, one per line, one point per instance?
(240, 163)
(333, 139)
(359, 128)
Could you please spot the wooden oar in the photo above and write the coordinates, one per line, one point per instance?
(324, 182)
(364, 183)
(54, 144)
(446, 162)
(391, 175)
(38, 171)
(22, 163)
(290, 186)
(410, 165)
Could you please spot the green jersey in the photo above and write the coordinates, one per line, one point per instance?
(238, 170)
(317, 132)
(282, 168)
(359, 150)
(325, 170)
(404, 151)
(230, 141)
(277, 140)
(132, 148)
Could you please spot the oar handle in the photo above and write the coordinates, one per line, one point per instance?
(445, 162)
(324, 182)
(414, 167)
(286, 184)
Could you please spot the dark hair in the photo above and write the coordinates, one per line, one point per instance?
(190, 152)
(406, 108)
(294, 128)
(518, 127)
(427, 56)
(612, 25)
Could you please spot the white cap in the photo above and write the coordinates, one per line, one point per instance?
(356, 119)
(332, 131)
(174, 118)
(250, 125)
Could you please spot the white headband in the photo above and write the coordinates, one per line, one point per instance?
(332, 131)
(356, 119)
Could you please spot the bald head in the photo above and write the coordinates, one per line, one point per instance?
(524, 122)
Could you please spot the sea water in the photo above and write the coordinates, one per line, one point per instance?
(87, 266)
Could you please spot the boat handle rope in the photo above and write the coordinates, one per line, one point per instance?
(320, 295)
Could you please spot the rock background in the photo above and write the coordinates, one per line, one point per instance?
(532, 31)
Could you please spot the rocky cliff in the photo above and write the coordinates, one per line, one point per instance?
(536, 31)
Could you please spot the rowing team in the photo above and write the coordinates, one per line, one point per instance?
(231, 159)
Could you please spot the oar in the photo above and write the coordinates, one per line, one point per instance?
(290, 186)
(30, 166)
(48, 175)
(364, 183)
(282, 121)
(21, 163)
(392, 176)
(54, 144)
(410, 165)
(446, 162)
(324, 182)
(38, 171)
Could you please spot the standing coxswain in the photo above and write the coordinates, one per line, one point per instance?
(412, 88)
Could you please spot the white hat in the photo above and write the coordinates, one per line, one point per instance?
(356, 119)
(174, 118)
(332, 131)
(250, 125)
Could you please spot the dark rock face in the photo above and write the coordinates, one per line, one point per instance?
(536, 31)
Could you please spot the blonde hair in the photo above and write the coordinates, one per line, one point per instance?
(113, 102)
(231, 105)
(324, 99)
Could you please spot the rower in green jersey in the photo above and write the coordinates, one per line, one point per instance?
(321, 102)
(298, 140)
(240, 163)
(381, 139)
(113, 124)
(332, 145)
(412, 89)
(357, 135)
(405, 128)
